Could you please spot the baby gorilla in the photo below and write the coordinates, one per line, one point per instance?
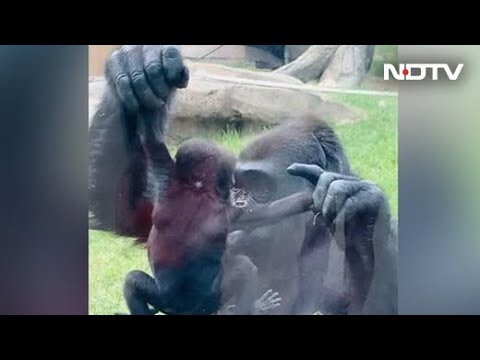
(192, 218)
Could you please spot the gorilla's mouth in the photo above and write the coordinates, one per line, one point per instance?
(242, 198)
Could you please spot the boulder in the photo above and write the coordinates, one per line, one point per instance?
(205, 69)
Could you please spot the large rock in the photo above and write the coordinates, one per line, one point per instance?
(205, 69)
(213, 105)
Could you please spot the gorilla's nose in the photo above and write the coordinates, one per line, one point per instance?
(241, 203)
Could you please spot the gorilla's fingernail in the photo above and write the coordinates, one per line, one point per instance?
(171, 53)
(292, 168)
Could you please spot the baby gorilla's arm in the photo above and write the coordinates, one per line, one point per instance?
(266, 214)
(151, 128)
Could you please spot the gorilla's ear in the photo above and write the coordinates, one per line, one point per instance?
(321, 156)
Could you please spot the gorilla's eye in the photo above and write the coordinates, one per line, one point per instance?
(262, 195)
(261, 187)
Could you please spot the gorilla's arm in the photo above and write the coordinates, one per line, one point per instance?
(117, 167)
(152, 137)
(141, 81)
(358, 216)
(265, 214)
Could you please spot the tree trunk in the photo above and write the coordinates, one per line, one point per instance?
(349, 66)
(332, 65)
(312, 64)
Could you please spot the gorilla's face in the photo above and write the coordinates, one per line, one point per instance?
(261, 171)
(253, 186)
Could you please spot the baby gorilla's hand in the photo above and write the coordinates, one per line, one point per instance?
(269, 301)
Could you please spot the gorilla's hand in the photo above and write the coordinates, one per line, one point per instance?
(145, 76)
(269, 301)
(358, 215)
(339, 198)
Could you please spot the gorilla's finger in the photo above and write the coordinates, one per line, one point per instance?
(266, 295)
(116, 66)
(117, 76)
(272, 297)
(127, 94)
(153, 65)
(337, 195)
(338, 226)
(310, 172)
(369, 202)
(322, 189)
(184, 78)
(275, 301)
(138, 78)
(173, 66)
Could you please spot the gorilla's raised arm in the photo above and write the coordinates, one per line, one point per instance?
(141, 81)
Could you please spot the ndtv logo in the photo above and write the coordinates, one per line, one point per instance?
(405, 71)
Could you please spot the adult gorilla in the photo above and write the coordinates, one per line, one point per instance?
(339, 259)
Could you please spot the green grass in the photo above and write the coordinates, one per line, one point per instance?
(111, 258)
(371, 145)
(383, 54)
(232, 140)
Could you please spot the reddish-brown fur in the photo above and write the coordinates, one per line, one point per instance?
(187, 222)
(191, 218)
(136, 219)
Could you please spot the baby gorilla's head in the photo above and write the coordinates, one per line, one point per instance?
(204, 165)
